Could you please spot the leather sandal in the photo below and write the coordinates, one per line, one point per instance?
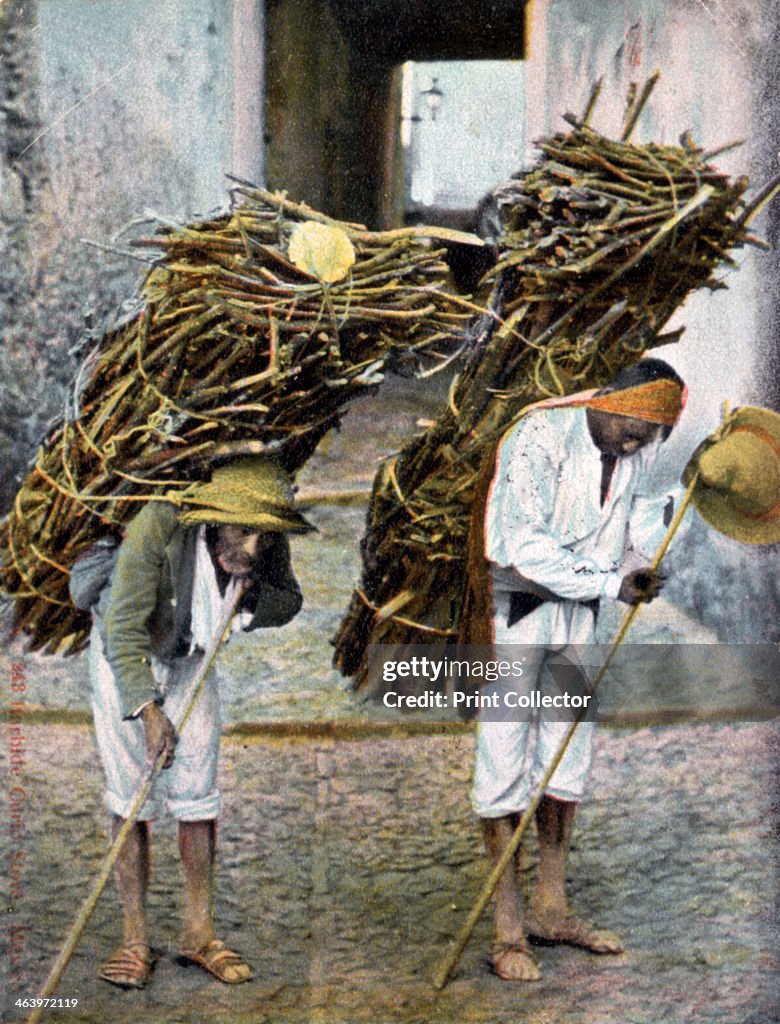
(215, 957)
(129, 966)
(499, 952)
(573, 931)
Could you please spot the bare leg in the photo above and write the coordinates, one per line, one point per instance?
(511, 958)
(131, 873)
(197, 846)
(130, 965)
(554, 820)
(549, 915)
(199, 943)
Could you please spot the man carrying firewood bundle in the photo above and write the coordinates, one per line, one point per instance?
(568, 495)
(175, 572)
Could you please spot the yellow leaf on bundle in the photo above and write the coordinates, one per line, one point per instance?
(322, 250)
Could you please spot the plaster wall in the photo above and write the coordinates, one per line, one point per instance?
(108, 108)
(717, 71)
(706, 88)
(148, 93)
(147, 105)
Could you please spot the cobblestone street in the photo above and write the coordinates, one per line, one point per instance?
(346, 866)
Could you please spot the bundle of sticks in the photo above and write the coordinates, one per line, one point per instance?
(237, 349)
(602, 241)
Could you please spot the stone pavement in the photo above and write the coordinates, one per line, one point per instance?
(347, 866)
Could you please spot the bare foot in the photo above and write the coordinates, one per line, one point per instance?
(513, 961)
(567, 930)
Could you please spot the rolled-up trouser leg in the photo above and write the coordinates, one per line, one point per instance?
(188, 788)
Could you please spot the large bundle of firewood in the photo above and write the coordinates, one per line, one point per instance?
(256, 328)
(602, 241)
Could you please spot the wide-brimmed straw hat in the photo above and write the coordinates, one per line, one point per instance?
(738, 490)
(249, 491)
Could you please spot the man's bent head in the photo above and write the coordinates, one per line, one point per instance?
(642, 403)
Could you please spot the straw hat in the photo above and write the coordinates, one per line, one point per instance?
(249, 491)
(738, 491)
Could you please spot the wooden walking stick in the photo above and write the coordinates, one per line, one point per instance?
(144, 789)
(449, 962)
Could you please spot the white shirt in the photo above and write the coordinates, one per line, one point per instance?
(543, 516)
(208, 605)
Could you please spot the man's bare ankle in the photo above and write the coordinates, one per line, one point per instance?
(511, 937)
(135, 937)
(196, 938)
(548, 909)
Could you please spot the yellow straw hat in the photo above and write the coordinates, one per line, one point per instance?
(738, 490)
(249, 491)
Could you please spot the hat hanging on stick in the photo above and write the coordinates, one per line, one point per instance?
(738, 488)
(252, 490)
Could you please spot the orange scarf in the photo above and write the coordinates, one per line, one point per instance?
(658, 401)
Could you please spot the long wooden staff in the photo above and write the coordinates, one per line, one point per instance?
(448, 963)
(145, 787)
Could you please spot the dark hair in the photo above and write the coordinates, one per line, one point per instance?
(643, 372)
